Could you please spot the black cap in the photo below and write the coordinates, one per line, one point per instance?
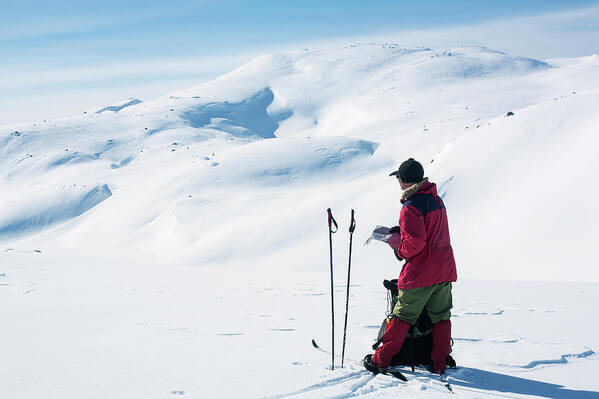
(410, 171)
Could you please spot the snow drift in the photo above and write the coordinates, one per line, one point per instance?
(31, 216)
(339, 118)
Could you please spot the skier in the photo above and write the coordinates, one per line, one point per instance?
(422, 238)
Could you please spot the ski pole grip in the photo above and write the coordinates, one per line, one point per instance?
(332, 220)
(352, 223)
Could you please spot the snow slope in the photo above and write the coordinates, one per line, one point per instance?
(176, 241)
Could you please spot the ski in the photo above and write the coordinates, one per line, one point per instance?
(394, 373)
(447, 384)
(443, 377)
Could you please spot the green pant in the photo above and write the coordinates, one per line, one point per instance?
(436, 299)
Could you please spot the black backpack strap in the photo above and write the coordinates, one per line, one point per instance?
(382, 335)
(377, 343)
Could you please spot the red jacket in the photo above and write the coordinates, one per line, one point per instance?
(424, 240)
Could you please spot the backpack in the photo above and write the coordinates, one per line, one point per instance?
(417, 347)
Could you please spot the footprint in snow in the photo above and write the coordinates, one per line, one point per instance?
(372, 327)
(499, 312)
(300, 363)
(495, 341)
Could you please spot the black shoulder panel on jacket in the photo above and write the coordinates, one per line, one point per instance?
(425, 203)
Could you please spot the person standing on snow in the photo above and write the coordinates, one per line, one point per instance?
(422, 238)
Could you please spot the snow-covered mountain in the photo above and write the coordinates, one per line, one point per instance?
(197, 220)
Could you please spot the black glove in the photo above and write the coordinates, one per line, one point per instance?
(399, 258)
(395, 229)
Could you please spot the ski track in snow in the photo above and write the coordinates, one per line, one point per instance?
(363, 383)
(352, 385)
(562, 360)
(324, 384)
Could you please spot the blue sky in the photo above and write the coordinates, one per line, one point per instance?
(61, 57)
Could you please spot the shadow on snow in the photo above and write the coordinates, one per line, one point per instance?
(489, 381)
(246, 118)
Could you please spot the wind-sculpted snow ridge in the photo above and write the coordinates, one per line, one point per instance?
(290, 160)
(40, 214)
(458, 63)
(119, 106)
(242, 119)
(73, 157)
(468, 62)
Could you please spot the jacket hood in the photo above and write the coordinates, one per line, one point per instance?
(424, 187)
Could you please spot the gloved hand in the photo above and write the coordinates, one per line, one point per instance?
(397, 255)
(395, 240)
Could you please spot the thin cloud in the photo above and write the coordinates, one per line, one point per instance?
(12, 29)
(32, 108)
(563, 34)
(168, 68)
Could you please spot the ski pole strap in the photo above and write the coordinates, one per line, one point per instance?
(377, 343)
(352, 223)
(333, 221)
(412, 352)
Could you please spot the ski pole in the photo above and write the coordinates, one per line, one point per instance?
(331, 219)
(352, 227)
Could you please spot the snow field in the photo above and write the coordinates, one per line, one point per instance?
(178, 246)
